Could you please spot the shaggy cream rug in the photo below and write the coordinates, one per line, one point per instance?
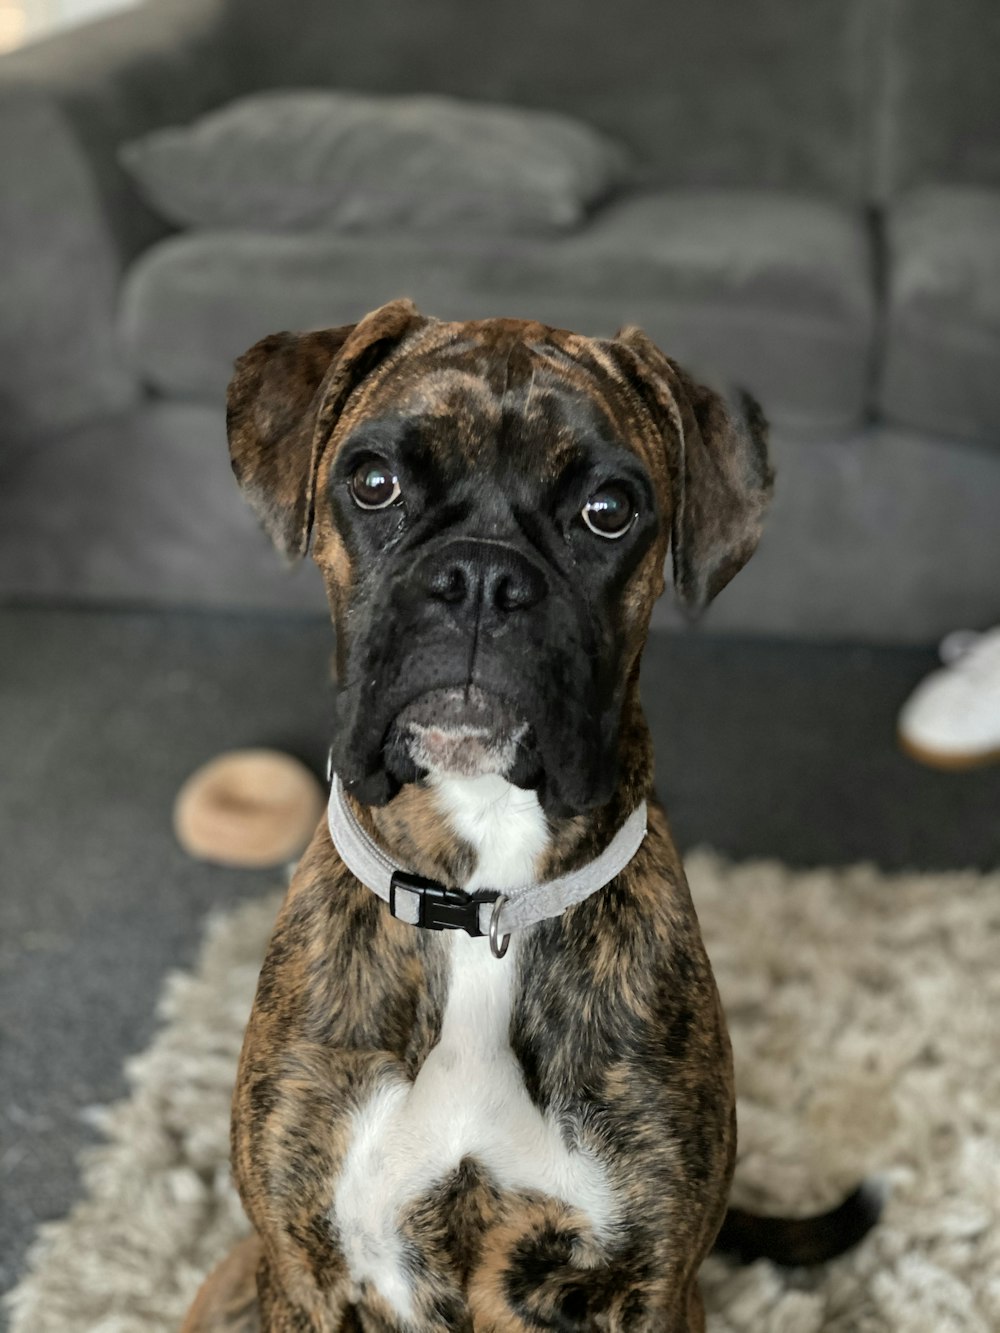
(865, 1015)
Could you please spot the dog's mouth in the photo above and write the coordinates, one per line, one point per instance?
(460, 731)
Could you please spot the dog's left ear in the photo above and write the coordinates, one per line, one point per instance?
(282, 405)
(717, 456)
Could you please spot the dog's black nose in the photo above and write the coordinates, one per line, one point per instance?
(483, 576)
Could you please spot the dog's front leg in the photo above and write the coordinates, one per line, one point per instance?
(289, 1141)
(344, 1007)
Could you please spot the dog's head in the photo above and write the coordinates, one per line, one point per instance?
(490, 504)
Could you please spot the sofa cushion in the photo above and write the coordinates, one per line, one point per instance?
(772, 291)
(314, 158)
(942, 361)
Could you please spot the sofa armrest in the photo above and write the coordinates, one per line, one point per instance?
(69, 218)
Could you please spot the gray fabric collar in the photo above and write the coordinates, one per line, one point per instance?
(422, 902)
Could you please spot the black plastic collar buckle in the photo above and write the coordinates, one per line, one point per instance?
(439, 908)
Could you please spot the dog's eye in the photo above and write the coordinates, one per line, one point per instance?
(610, 512)
(374, 485)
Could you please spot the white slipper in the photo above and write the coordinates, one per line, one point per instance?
(952, 719)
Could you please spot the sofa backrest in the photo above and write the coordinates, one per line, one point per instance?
(936, 110)
(857, 99)
(719, 92)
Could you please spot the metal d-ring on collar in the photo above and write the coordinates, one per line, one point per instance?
(498, 947)
(424, 902)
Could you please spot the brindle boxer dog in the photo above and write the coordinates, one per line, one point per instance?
(428, 1136)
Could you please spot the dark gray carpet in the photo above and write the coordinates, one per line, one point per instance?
(764, 748)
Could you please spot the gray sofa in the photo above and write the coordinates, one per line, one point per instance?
(816, 215)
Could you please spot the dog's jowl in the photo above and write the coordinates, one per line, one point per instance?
(486, 1083)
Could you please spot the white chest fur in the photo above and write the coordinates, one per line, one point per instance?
(469, 1098)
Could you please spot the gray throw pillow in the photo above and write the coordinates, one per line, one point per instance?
(347, 162)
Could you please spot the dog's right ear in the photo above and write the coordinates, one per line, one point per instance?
(282, 405)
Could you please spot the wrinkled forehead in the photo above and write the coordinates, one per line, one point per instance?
(505, 395)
